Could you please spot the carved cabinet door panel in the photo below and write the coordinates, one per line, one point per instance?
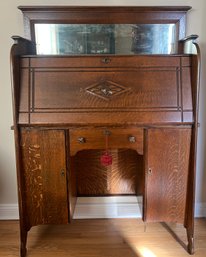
(167, 152)
(44, 176)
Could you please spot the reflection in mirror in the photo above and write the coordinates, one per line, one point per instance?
(79, 39)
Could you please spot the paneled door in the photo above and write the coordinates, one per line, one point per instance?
(167, 152)
(44, 176)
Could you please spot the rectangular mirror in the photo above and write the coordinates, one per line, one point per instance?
(119, 39)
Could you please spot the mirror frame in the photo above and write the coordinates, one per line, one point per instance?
(104, 15)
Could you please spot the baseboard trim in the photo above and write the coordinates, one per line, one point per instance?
(9, 212)
(100, 207)
(200, 210)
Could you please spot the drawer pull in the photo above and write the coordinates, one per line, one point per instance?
(106, 60)
(81, 140)
(132, 139)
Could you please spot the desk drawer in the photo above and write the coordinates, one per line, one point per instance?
(84, 139)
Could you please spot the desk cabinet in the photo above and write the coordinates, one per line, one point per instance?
(140, 107)
(45, 179)
(167, 169)
(166, 158)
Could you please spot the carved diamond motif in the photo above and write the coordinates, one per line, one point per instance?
(106, 89)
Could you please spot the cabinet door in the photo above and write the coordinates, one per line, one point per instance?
(166, 174)
(44, 176)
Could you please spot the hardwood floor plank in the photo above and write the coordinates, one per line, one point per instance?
(103, 238)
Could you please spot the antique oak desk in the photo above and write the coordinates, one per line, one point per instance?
(105, 102)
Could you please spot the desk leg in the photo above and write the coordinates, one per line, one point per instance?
(190, 237)
(23, 238)
(191, 193)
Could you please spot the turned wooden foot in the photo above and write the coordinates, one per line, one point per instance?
(23, 249)
(190, 237)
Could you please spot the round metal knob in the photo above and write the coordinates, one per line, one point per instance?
(106, 60)
(81, 140)
(132, 139)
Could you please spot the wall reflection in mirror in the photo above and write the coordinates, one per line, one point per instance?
(80, 39)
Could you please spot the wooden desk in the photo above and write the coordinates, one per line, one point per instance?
(64, 108)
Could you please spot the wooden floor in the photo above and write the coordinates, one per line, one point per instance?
(102, 238)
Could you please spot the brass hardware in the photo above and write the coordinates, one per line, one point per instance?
(106, 60)
(132, 139)
(149, 171)
(81, 140)
(107, 132)
(62, 173)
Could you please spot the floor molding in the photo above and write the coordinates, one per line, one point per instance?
(200, 210)
(9, 212)
(100, 207)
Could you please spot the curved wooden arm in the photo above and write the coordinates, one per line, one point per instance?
(181, 42)
(188, 38)
(28, 46)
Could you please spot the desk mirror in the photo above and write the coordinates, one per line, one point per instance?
(72, 39)
(108, 30)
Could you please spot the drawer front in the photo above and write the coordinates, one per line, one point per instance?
(119, 138)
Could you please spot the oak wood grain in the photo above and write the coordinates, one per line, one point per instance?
(145, 89)
(95, 139)
(45, 191)
(124, 176)
(167, 171)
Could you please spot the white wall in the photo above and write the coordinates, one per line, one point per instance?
(11, 23)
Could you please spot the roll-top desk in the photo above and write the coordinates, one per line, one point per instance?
(109, 102)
